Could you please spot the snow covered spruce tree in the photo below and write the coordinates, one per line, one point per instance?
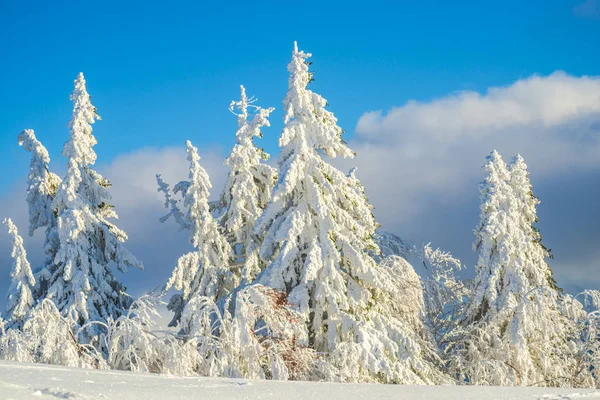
(41, 189)
(515, 333)
(206, 270)
(319, 228)
(81, 282)
(249, 185)
(20, 298)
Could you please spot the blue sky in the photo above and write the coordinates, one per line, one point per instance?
(160, 73)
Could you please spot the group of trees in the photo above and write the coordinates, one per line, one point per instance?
(288, 277)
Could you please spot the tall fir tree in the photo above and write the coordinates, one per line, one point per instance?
(206, 270)
(515, 330)
(81, 282)
(20, 296)
(41, 189)
(249, 185)
(319, 228)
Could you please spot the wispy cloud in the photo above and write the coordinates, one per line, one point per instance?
(588, 9)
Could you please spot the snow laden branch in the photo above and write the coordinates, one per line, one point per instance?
(445, 295)
(47, 337)
(262, 338)
(130, 341)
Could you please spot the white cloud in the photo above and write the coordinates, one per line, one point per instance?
(436, 146)
(537, 101)
(420, 162)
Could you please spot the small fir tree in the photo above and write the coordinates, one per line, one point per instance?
(206, 270)
(20, 298)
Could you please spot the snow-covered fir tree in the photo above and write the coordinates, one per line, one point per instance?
(206, 270)
(81, 282)
(20, 298)
(319, 228)
(249, 185)
(41, 189)
(515, 332)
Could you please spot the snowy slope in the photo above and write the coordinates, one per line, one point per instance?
(27, 381)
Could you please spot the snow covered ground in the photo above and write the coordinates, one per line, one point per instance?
(34, 381)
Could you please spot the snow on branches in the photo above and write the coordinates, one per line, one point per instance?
(262, 337)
